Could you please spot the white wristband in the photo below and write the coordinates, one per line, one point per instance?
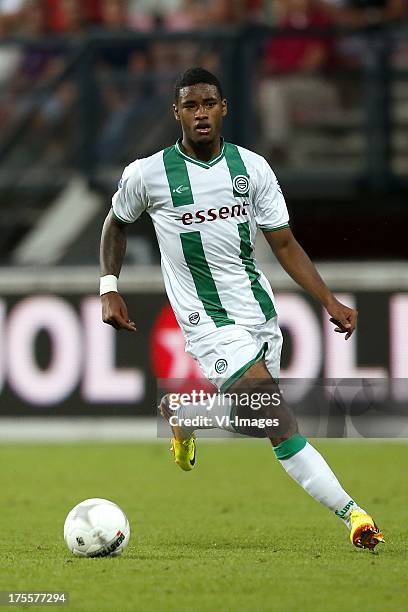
(108, 283)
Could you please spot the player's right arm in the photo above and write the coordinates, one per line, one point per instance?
(112, 253)
(128, 204)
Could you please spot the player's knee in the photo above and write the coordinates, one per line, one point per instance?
(262, 408)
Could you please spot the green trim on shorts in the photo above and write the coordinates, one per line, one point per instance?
(244, 368)
(289, 447)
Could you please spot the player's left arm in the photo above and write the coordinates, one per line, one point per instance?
(298, 265)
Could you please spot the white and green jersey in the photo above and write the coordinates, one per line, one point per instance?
(206, 216)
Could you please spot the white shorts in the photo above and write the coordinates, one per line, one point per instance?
(226, 353)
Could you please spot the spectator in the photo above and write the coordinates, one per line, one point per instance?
(224, 12)
(261, 11)
(148, 14)
(366, 13)
(190, 15)
(356, 49)
(36, 58)
(185, 15)
(41, 62)
(10, 12)
(114, 15)
(60, 13)
(123, 82)
(294, 87)
(37, 61)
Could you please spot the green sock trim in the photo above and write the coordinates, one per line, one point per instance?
(289, 447)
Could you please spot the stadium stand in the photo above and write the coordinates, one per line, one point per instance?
(85, 87)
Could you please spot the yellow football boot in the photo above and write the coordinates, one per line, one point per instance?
(183, 449)
(364, 532)
(184, 452)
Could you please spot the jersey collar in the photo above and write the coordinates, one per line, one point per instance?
(199, 162)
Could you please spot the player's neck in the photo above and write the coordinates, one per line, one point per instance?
(203, 152)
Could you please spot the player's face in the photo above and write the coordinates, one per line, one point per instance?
(200, 110)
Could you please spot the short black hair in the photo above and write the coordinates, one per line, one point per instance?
(193, 76)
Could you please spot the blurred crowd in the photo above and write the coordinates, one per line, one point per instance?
(76, 17)
(293, 71)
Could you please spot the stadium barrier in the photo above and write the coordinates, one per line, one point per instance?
(58, 360)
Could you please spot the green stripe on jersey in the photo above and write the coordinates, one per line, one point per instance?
(177, 177)
(261, 296)
(267, 228)
(202, 277)
(237, 169)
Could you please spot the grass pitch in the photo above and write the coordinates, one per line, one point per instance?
(234, 534)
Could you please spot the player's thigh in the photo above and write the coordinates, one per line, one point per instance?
(225, 353)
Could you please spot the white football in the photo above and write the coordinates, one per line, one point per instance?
(96, 528)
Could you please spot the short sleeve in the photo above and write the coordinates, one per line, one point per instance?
(130, 200)
(270, 206)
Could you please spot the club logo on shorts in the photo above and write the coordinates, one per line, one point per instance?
(241, 184)
(220, 366)
(194, 318)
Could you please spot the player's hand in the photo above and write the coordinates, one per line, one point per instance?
(343, 317)
(115, 313)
